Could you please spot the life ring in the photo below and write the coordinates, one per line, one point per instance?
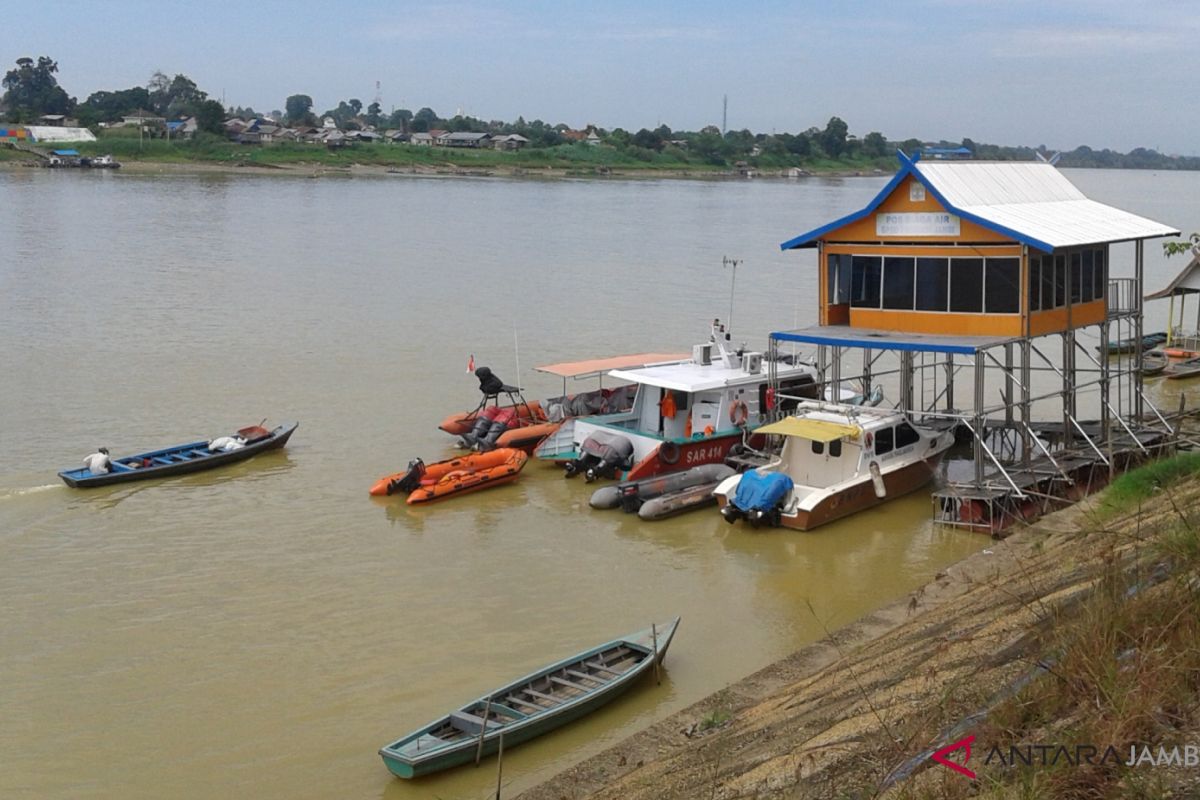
(739, 413)
(668, 453)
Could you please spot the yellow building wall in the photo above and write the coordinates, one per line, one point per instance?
(1055, 320)
(898, 202)
(937, 322)
(973, 241)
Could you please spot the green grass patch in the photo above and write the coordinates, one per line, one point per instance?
(1139, 485)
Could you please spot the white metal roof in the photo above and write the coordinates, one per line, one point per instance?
(1033, 201)
(693, 377)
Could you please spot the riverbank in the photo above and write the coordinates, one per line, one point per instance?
(404, 160)
(1074, 631)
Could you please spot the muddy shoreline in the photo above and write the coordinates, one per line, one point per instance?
(841, 715)
(319, 170)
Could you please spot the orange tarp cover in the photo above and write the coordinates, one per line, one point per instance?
(574, 369)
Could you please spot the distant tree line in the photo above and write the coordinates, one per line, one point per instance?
(31, 90)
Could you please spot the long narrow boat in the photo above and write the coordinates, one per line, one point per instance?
(180, 459)
(531, 706)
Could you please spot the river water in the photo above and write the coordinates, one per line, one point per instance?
(262, 630)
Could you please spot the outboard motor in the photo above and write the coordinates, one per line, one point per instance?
(411, 479)
(603, 455)
(501, 421)
(483, 424)
(759, 498)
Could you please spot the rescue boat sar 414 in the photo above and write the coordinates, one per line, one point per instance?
(683, 414)
(836, 459)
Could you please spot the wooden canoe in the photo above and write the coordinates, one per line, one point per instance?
(531, 706)
(177, 460)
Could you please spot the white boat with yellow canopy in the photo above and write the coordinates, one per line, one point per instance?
(836, 459)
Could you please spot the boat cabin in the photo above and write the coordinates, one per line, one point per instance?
(718, 390)
(686, 413)
(973, 248)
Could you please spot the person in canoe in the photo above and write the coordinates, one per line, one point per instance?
(98, 463)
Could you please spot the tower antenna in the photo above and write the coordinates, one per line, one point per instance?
(724, 112)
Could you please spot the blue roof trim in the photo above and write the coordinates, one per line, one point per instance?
(909, 167)
(805, 239)
(874, 344)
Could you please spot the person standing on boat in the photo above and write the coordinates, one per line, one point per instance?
(98, 463)
(666, 408)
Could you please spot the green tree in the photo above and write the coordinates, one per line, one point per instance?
(648, 140)
(106, 106)
(355, 105)
(374, 115)
(874, 145)
(833, 138)
(174, 97)
(31, 90)
(210, 117)
(299, 109)
(400, 118)
(426, 119)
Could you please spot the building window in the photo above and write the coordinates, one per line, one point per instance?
(835, 448)
(966, 285)
(898, 283)
(839, 280)
(1047, 282)
(1002, 286)
(865, 281)
(933, 284)
(818, 448)
(1099, 282)
(1035, 283)
(1060, 281)
(1087, 282)
(1076, 278)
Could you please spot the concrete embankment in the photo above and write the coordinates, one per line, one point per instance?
(858, 714)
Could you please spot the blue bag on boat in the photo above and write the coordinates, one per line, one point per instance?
(761, 492)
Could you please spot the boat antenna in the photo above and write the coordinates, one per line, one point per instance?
(517, 351)
(726, 261)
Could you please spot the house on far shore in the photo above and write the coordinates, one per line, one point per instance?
(147, 119)
(592, 139)
(58, 121)
(421, 139)
(464, 139)
(947, 152)
(511, 141)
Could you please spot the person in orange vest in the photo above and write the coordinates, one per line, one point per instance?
(666, 408)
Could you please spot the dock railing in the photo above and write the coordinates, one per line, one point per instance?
(1124, 297)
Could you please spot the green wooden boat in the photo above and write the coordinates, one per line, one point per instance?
(531, 706)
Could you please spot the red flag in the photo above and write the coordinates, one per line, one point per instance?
(471, 363)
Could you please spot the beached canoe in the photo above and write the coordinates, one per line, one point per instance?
(181, 459)
(531, 706)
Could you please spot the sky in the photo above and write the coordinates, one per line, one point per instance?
(1104, 73)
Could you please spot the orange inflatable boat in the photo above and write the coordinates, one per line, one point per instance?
(426, 483)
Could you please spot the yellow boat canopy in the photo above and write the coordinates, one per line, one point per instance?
(816, 429)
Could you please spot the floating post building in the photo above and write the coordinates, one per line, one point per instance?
(982, 289)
